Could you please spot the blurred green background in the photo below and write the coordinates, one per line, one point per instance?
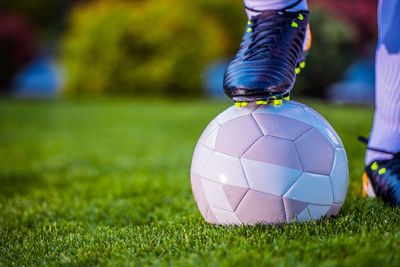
(162, 48)
(94, 167)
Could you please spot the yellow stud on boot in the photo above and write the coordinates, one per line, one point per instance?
(374, 166)
(277, 102)
(261, 102)
(382, 171)
(241, 104)
(287, 98)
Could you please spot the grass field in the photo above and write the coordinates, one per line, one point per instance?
(107, 183)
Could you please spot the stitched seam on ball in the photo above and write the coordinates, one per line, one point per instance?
(241, 155)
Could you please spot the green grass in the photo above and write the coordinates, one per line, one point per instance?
(107, 183)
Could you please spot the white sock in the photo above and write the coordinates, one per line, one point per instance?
(385, 132)
(255, 7)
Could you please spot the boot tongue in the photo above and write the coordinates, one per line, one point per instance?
(266, 14)
(254, 14)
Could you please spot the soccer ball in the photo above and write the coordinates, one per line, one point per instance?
(269, 164)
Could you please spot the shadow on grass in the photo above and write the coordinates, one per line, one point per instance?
(18, 184)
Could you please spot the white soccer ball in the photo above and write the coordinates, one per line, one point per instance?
(269, 164)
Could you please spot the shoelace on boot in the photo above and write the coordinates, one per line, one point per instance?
(266, 31)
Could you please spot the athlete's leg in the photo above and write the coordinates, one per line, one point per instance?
(382, 172)
(385, 132)
(272, 52)
(255, 7)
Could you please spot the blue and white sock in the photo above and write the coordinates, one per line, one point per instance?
(385, 132)
(255, 7)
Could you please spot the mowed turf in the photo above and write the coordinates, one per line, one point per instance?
(107, 183)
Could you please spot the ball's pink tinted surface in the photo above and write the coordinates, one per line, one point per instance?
(269, 164)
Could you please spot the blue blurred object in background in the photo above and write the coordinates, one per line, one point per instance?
(40, 78)
(213, 78)
(358, 86)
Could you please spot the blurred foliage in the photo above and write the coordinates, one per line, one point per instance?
(151, 47)
(157, 48)
(46, 17)
(17, 48)
(364, 19)
(230, 16)
(332, 51)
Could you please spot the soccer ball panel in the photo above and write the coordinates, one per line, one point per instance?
(201, 155)
(315, 152)
(334, 210)
(210, 128)
(280, 126)
(313, 212)
(312, 188)
(225, 169)
(231, 139)
(288, 109)
(273, 150)
(339, 176)
(269, 178)
(205, 139)
(215, 195)
(295, 103)
(210, 217)
(320, 123)
(293, 208)
(210, 140)
(198, 194)
(233, 112)
(225, 217)
(234, 194)
(257, 207)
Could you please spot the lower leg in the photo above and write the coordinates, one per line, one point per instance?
(255, 7)
(385, 132)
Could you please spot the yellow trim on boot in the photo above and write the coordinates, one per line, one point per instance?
(365, 182)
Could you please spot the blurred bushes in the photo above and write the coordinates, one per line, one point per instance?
(17, 48)
(156, 47)
(149, 47)
(332, 51)
(45, 17)
(231, 18)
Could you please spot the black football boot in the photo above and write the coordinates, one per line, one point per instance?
(271, 54)
(381, 178)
